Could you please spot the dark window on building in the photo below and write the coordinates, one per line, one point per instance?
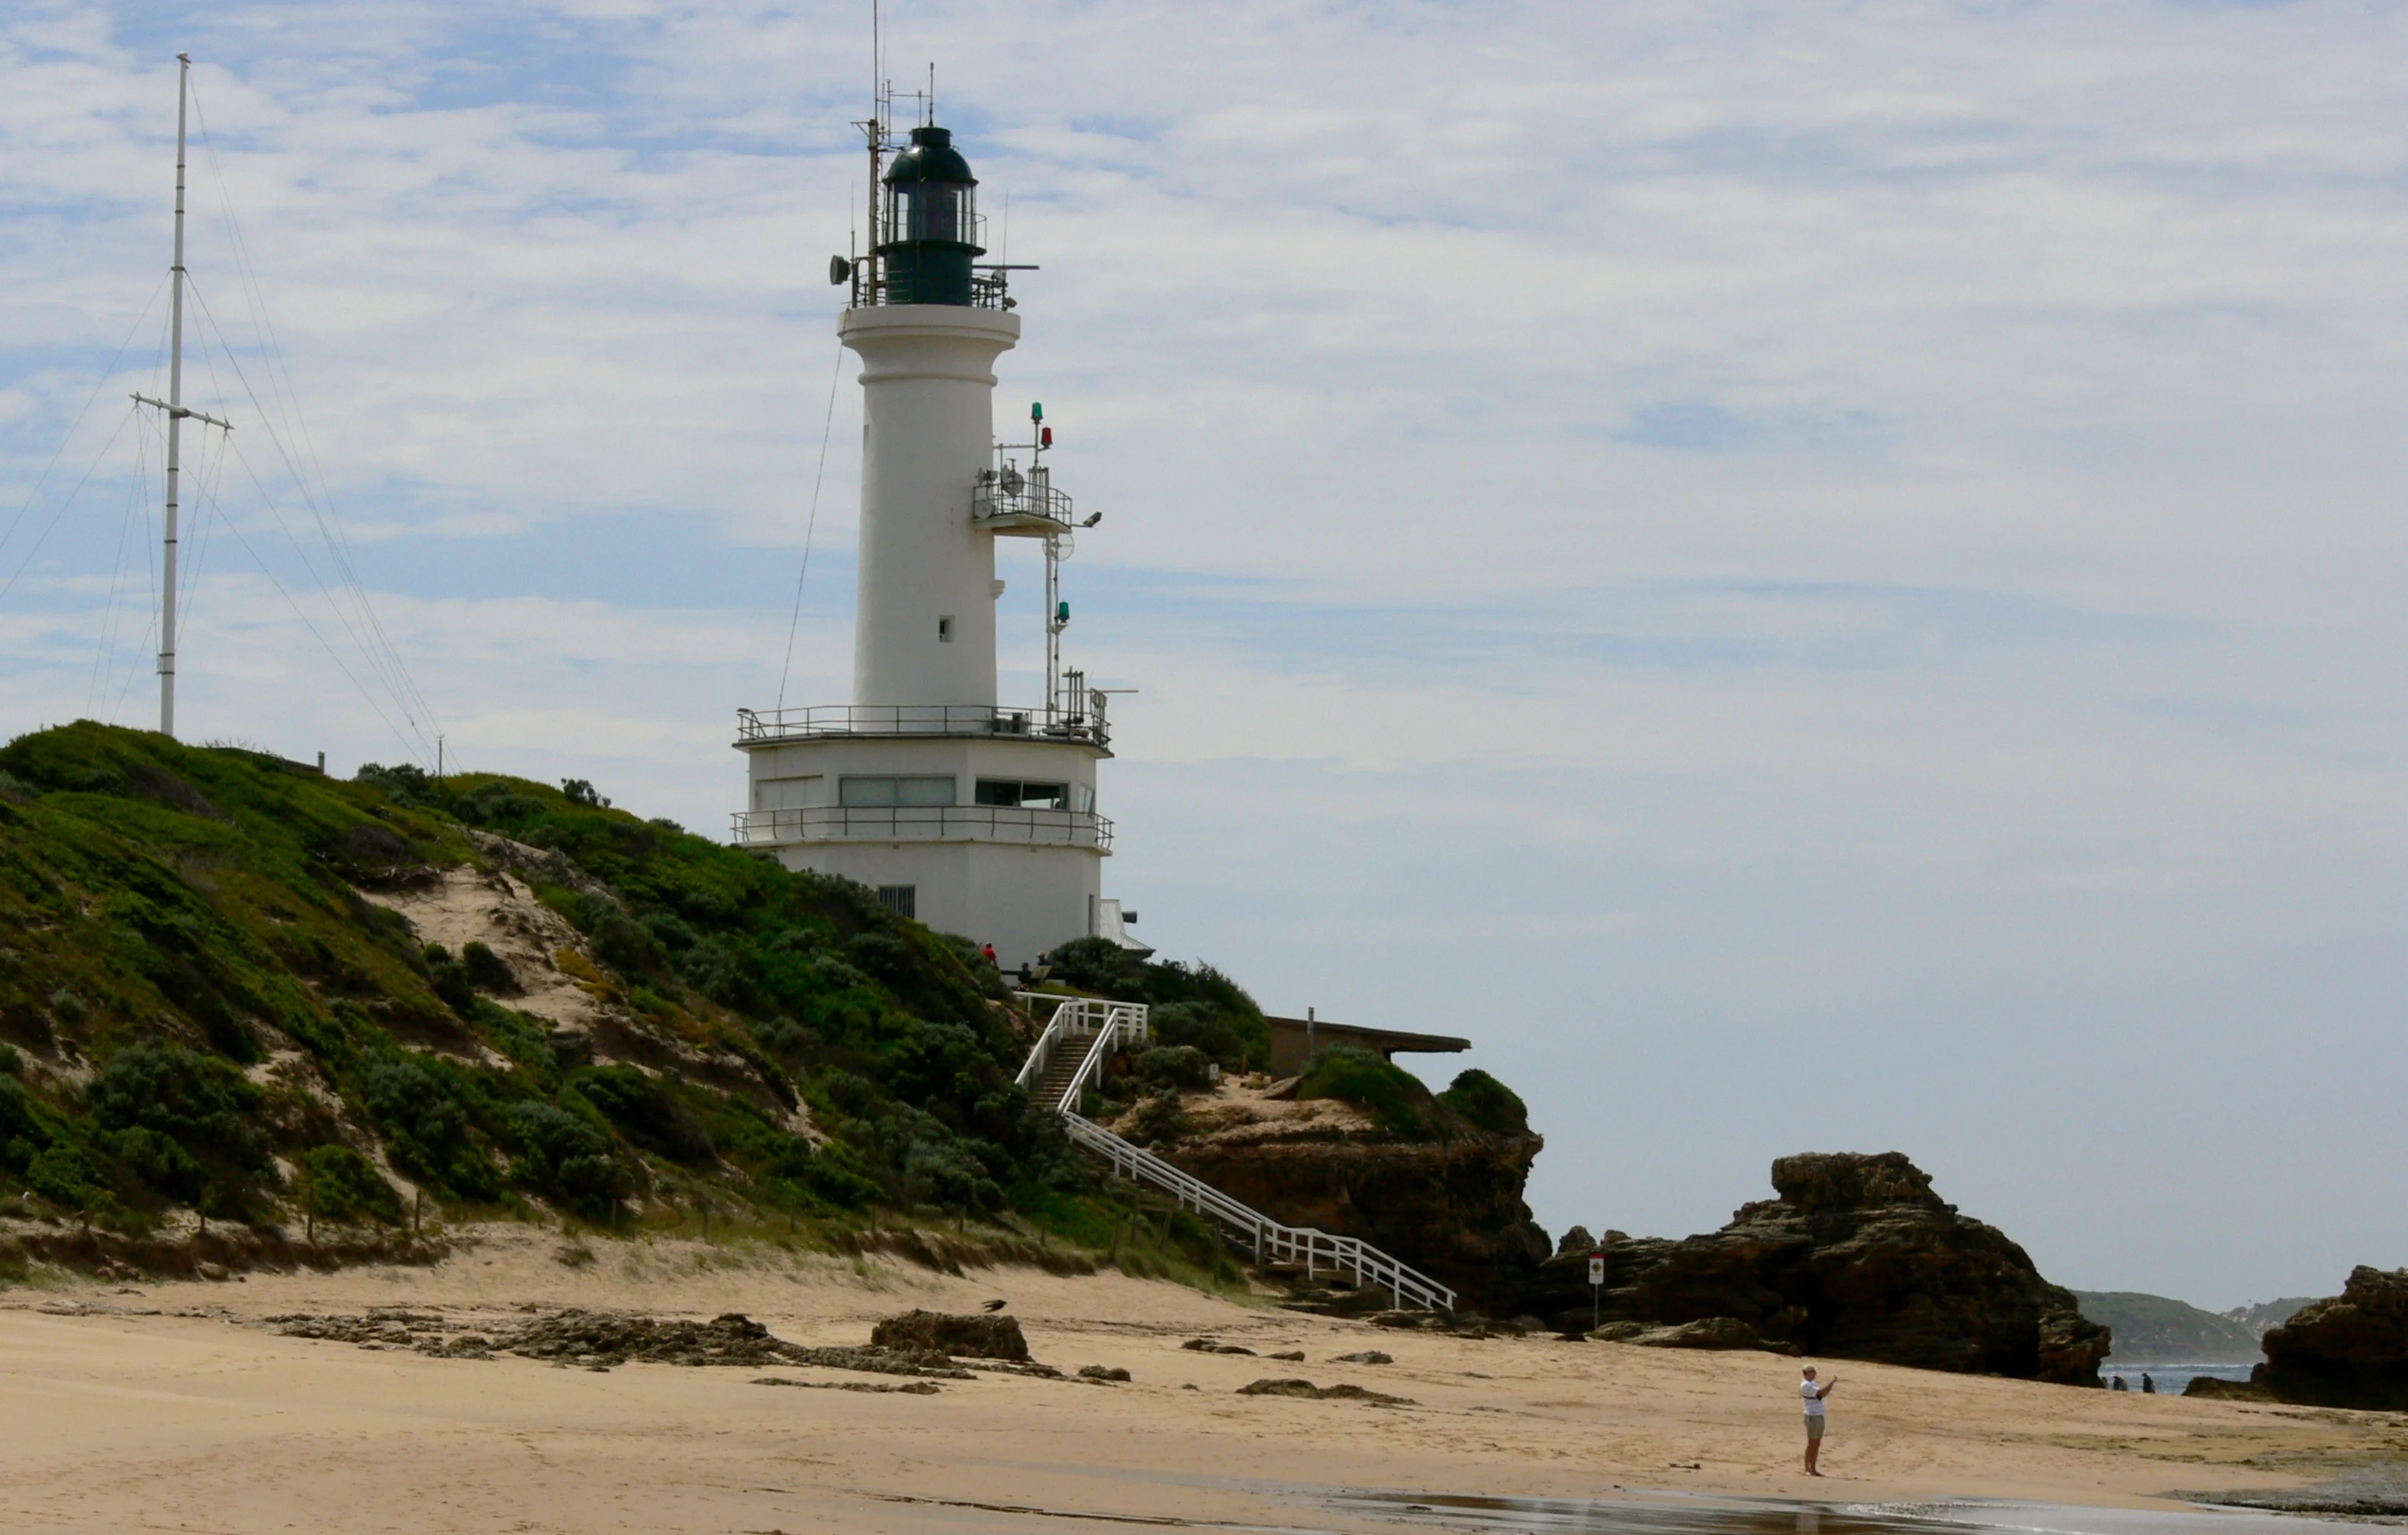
(901, 899)
(880, 793)
(1012, 791)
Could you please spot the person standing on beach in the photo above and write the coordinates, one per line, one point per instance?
(1813, 1395)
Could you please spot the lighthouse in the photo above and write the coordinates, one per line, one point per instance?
(975, 814)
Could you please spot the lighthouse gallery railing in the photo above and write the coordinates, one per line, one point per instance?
(760, 726)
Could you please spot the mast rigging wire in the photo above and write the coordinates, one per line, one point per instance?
(794, 619)
(102, 383)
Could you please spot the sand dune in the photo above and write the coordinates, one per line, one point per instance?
(174, 1407)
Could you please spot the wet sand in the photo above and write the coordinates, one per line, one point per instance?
(172, 1407)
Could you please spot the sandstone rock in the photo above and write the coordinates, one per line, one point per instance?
(2223, 1390)
(2350, 1351)
(963, 1337)
(1577, 1239)
(1102, 1372)
(1858, 1258)
(1368, 1357)
(1450, 1208)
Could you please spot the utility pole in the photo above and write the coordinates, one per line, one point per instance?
(173, 407)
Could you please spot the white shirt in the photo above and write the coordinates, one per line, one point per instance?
(1813, 1395)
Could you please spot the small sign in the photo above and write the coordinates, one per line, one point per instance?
(1596, 1269)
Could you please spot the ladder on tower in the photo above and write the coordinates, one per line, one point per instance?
(1081, 1035)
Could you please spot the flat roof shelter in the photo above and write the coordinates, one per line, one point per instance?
(1288, 1041)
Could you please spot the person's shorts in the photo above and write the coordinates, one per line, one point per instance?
(1814, 1428)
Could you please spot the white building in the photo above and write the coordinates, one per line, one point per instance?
(976, 816)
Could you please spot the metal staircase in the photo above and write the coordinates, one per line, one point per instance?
(1069, 1059)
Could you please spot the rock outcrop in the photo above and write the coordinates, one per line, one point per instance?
(2350, 1351)
(966, 1337)
(1450, 1206)
(1857, 1259)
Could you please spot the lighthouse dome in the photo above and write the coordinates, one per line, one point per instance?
(930, 157)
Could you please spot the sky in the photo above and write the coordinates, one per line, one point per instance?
(1810, 577)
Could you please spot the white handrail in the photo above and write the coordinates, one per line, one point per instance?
(1269, 1241)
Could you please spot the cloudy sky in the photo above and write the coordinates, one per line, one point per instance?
(1811, 576)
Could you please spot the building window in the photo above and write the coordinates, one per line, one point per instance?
(786, 794)
(1012, 791)
(945, 630)
(901, 899)
(886, 793)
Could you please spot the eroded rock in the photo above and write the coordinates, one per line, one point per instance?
(2350, 1351)
(963, 1336)
(1858, 1258)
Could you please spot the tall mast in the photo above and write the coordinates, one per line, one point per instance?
(175, 418)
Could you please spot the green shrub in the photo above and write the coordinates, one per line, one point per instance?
(405, 782)
(11, 1064)
(486, 971)
(1393, 1097)
(451, 981)
(564, 1156)
(626, 946)
(1158, 1118)
(1193, 1005)
(200, 1101)
(1485, 1101)
(337, 1184)
(673, 932)
(64, 1175)
(1183, 1068)
(160, 1164)
(645, 1112)
(425, 1124)
(720, 972)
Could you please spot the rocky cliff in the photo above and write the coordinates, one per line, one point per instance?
(1858, 1258)
(2350, 1351)
(1447, 1200)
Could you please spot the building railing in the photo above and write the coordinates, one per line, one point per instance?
(990, 286)
(922, 824)
(1009, 502)
(1095, 1027)
(766, 726)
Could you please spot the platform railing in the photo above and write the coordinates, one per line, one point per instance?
(1018, 824)
(769, 727)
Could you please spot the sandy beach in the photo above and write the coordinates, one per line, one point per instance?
(175, 1407)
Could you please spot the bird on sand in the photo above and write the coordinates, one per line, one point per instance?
(997, 1305)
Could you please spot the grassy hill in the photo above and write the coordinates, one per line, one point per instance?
(2153, 1329)
(209, 1008)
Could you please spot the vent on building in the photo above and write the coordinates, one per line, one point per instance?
(901, 899)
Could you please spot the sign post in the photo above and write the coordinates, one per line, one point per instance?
(1596, 1286)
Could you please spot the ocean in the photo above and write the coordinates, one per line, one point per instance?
(2172, 1379)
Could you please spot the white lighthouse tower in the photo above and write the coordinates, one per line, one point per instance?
(974, 815)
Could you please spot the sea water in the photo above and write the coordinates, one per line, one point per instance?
(2172, 1379)
(1712, 1515)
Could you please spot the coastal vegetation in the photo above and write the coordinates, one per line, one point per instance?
(212, 1010)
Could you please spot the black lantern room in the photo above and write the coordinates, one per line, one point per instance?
(931, 222)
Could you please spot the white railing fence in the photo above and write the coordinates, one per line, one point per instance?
(1096, 1028)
